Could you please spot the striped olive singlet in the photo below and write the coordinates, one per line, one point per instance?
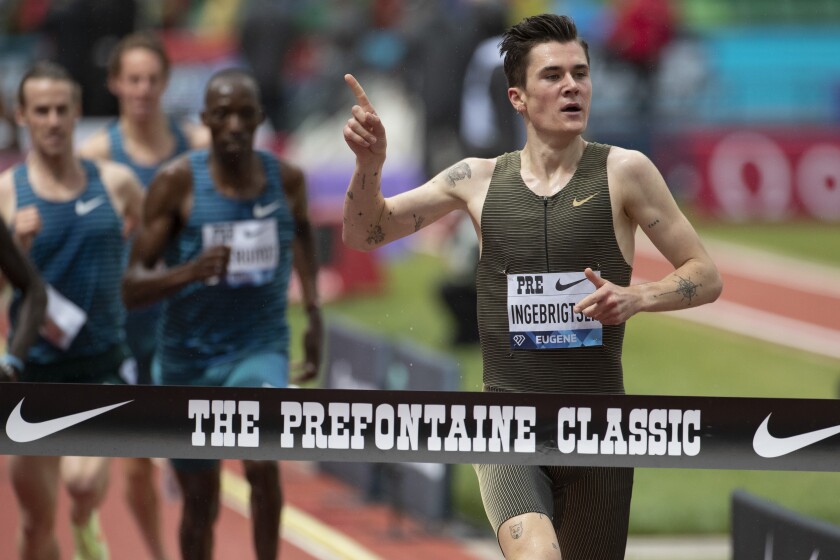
(524, 233)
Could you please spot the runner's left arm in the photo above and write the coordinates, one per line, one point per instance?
(306, 264)
(648, 203)
(125, 192)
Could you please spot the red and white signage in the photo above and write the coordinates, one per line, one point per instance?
(766, 174)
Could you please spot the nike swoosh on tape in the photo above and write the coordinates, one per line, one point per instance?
(769, 446)
(21, 431)
(87, 206)
(561, 287)
(576, 202)
(263, 211)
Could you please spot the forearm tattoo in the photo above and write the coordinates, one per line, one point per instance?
(418, 222)
(350, 195)
(458, 172)
(653, 223)
(375, 234)
(686, 288)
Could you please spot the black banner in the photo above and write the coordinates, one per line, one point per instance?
(420, 426)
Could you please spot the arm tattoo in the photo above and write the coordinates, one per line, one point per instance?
(685, 287)
(653, 223)
(350, 195)
(418, 222)
(375, 233)
(516, 530)
(364, 179)
(458, 172)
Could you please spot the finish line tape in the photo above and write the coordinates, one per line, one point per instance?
(420, 426)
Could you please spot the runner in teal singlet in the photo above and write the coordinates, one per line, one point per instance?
(73, 217)
(229, 223)
(565, 210)
(143, 138)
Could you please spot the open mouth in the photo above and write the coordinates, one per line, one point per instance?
(571, 108)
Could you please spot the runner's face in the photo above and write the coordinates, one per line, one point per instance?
(49, 114)
(140, 83)
(232, 113)
(558, 90)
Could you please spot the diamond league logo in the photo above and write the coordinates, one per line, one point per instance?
(519, 339)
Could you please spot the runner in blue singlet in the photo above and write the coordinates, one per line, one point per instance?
(143, 138)
(73, 216)
(229, 223)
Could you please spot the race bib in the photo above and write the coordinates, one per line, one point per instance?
(254, 249)
(64, 320)
(541, 311)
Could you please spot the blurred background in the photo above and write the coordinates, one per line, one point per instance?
(736, 101)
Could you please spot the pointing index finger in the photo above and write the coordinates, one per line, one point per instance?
(359, 92)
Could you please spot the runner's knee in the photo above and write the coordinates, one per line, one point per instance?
(530, 536)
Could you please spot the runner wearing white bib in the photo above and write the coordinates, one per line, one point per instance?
(556, 224)
(228, 223)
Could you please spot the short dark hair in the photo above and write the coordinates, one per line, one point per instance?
(519, 39)
(52, 71)
(232, 74)
(139, 40)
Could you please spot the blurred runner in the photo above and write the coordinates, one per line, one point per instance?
(73, 216)
(143, 138)
(229, 223)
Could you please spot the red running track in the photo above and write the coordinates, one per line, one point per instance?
(754, 282)
(326, 502)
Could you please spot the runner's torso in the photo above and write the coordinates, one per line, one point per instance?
(246, 310)
(79, 252)
(526, 234)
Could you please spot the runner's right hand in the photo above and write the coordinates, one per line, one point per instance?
(364, 132)
(8, 372)
(27, 224)
(211, 264)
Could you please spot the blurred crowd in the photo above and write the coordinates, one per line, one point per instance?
(299, 51)
(662, 69)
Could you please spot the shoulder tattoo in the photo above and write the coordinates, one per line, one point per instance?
(458, 172)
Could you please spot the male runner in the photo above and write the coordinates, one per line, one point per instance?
(72, 215)
(143, 138)
(566, 209)
(228, 222)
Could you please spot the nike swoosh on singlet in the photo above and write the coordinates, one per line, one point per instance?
(769, 446)
(263, 211)
(251, 233)
(21, 431)
(576, 202)
(84, 207)
(561, 287)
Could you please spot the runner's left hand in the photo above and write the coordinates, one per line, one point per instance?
(610, 304)
(308, 370)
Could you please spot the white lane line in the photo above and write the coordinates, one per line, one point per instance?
(299, 528)
(783, 271)
(762, 325)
